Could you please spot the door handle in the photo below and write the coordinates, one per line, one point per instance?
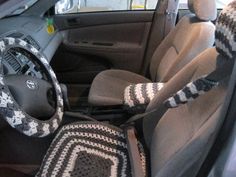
(73, 21)
(103, 43)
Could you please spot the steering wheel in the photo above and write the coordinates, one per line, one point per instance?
(24, 100)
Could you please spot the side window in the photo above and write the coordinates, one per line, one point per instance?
(183, 4)
(222, 3)
(76, 6)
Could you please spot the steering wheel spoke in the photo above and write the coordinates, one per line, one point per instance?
(31, 94)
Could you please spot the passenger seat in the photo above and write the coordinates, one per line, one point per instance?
(192, 35)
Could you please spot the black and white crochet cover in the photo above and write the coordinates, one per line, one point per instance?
(141, 94)
(190, 92)
(88, 150)
(12, 112)
(225, 35)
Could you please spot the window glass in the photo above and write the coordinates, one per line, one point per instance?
(143, 4)
(74, 6)
(219, 3)
(222, 3)
(183, 4)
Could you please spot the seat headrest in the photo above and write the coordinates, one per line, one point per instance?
(225, 34)
(203, 9)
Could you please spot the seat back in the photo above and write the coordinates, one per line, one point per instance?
(184, 135)
(192, 35)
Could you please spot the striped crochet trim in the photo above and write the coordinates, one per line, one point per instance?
(190, 92)
(225, 34)
(141, 94)
(89, 149)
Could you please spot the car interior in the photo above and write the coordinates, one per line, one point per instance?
(131, 93)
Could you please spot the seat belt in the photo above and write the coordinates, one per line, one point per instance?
(170, 11)
(134, 154)
(164, 20)
(216, 76)
(168, 8)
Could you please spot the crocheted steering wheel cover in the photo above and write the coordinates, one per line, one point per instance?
(11, 111)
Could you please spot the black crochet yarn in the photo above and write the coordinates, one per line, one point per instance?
(225, 34)
(88, 149)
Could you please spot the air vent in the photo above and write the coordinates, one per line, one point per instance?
(12, 62)
(31, 41)
(16, 35)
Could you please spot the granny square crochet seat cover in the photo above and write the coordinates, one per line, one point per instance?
(88, 149)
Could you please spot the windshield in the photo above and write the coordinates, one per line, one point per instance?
(14, 7)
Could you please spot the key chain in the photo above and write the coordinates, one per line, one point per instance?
(50, 27)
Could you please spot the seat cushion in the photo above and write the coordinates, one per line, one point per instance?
(88, 150)
(108, 87)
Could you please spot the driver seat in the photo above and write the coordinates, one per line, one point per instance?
(175, 146)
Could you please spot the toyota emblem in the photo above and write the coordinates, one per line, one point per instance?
(31, 84)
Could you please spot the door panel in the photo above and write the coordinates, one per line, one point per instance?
(94, 42)
(121, 45)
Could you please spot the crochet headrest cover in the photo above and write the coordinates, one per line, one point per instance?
(225, 35)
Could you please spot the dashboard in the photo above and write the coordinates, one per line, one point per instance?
(33, 31)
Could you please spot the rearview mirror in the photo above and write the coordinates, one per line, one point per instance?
(66, 6)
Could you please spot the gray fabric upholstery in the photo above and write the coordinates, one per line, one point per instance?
(190, 37)
(204, 10)
(108, 87)
(185, 134)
